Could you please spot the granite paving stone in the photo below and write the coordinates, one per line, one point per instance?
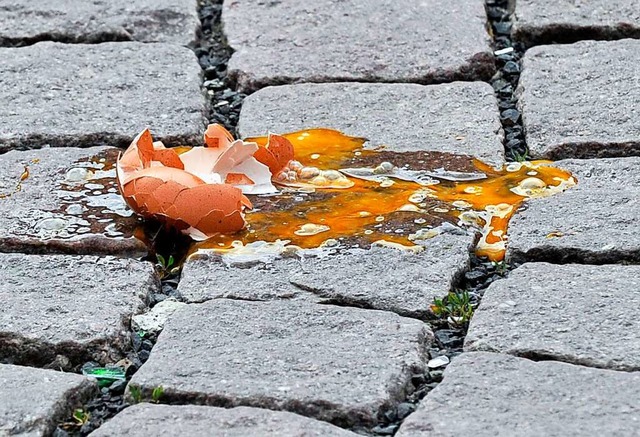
(338, 364)
(356, 40)
(381, 278)
(29, 21)
(99, 94)
(75, 306)
(594, 222)
(35, 400)
(544, 22)
(486, 394)
(582, 314)
(580, 100)
(460, 118)
(144, 420)
(64, 200)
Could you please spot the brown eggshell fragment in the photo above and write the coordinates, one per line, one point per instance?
(168, 158)
(281, 148)
(141, 189)
(163, 197)
(144, 144)
(265, 157)
(238, 179)
(171, 174)
(217, 222)
(244, 200)
(198, 202)
(217, 136)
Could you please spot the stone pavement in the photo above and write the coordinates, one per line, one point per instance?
(322, 345)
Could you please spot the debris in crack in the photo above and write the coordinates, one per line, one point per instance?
(449, 332)
(505, 81)
(213, 54)
(110, 401)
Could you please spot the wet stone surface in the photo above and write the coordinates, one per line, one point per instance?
(380, 278)
(34, 400)
(577, 100)
(337, 364)
(67, 95)
(460, 118)
(199, 421)
(356, 40)
(485, 394)
(544, 22)
(78, 307)
(580, 314)
(29, 21)
(594, 222)
(66, 201)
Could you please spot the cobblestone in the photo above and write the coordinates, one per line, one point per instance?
(543, 22)
(356, 40)
(404, 283)
(580, 314)
(34, 400)
(578, 100)
(101, 94)
(77, 307)
(29, 21)
(459, 118)
(594, 222)
(341, 365)
(144, 420)
(487, 394)
(66, 201)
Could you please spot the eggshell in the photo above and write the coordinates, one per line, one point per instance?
(217, 136)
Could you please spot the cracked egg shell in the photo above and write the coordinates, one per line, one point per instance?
(154, 183)
(276, 154)
(217, 136)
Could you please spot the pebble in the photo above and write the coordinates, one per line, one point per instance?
(440, 361)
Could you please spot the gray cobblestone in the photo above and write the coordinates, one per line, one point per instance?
(28, 21)
(99, 94)
(356, 40)
(338, 364)
(460, 118)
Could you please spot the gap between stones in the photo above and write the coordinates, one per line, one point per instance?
(97, 38)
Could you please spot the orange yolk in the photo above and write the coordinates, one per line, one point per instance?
(308, 214)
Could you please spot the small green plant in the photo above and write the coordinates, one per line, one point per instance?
(157, 393)
(136, 393)
(520, 157)
(81, 416)
(456, 307)
(501, 267)
(166, 267)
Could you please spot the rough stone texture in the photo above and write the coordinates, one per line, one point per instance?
(544, 22)
(29, 21)
(581, 100)
(67, 202)
(153, 320)
(144, 420)
(593, 222)
(356, 40)
(78, 307)
(34, 400)
(380, 278)
(100, 94)
(338, 364)
(487, 394)
(460, 118)
(581, 314)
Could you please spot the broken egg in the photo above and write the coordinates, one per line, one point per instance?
(201, 191)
